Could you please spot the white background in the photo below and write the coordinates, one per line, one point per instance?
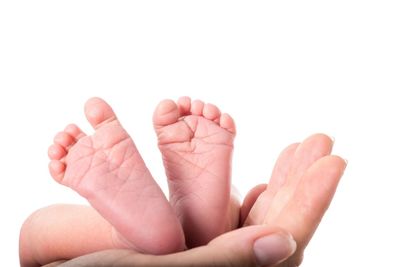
(283, 69)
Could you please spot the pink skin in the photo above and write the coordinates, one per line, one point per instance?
(301, 213)
(301, 188)
(46, 230)
(196, 143)
(107, 169)
(63, 232)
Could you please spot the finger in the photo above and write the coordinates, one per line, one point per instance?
(249, 246)
(308, 152)
(249, 201)
(312, 197)
(305, 210)
(54, 264)
(282, 168)
(278, 178)
(107, 258)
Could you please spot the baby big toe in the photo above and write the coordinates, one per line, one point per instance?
(98, 112)
(166, 113)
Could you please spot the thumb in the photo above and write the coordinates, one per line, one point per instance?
(252, 246)
(259, 245)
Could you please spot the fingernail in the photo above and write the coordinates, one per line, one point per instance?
(274, 248)
(332, 138)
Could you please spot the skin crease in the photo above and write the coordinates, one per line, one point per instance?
(310, 196)
(196, 143)
(105, 167)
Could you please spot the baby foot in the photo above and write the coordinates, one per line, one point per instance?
(107, 169)
(196, 143)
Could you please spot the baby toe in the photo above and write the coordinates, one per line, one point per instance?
(74, 131)
(211, 112)
(184, 104)
(64, 139)
(197, 107)
(227, 122)
(56, 152)
(57, 170)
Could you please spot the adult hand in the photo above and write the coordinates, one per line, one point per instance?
(259, 245)
(301, 188)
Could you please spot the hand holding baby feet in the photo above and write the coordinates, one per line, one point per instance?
(196, 144)
(301, 188)
(107, 169)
